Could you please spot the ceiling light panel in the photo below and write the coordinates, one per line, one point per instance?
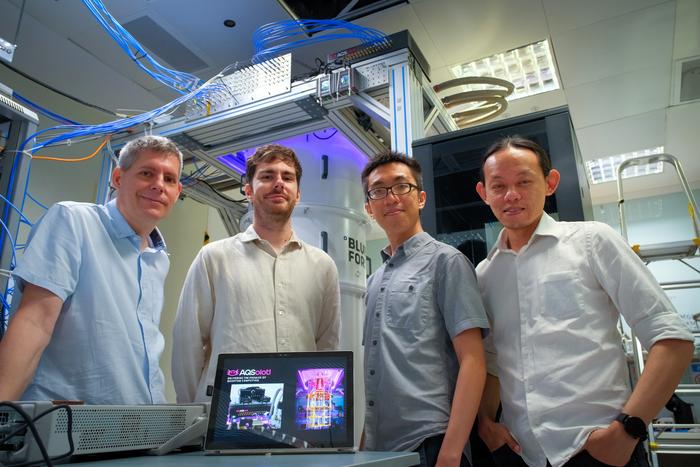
(605, 169)
(530, 68)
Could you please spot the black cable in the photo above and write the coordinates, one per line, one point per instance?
(327, 137)
(69, 429)
(30, 424)
(19, 21)
(69, 433)
(58, 91)
(221, 195)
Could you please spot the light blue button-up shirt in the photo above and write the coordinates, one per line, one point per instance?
(106, 345)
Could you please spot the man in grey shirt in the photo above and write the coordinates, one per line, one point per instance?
(424, 359)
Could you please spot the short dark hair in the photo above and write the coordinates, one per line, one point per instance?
(517, 142)
(388, 157)
(269, 153)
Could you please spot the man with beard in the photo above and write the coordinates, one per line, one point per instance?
(262, 290)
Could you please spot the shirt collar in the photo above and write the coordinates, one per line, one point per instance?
(408, 247)
(547, 227)
(122, 229)
(251, 235)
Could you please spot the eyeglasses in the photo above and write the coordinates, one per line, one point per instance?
(399, 189)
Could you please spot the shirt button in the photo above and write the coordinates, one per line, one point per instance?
(281, 312)
(374, 342)
(371, 403)
(381, 289)
(377, 314)
(371, 372)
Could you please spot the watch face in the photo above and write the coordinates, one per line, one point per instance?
(636, 427)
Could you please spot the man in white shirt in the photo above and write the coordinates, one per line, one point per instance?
(553, 292)
(262, 290)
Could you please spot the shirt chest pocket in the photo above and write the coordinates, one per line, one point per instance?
(561, 295)
(408, 301)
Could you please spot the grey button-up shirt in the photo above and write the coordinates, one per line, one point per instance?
(417, 301)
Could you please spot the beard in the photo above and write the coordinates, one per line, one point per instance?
(278, 213)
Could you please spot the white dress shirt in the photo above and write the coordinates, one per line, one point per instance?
(554, 344)
(241, 296)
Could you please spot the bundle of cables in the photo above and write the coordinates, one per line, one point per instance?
(179, 81)
(72, 132)
(274, 39)
(30, 423)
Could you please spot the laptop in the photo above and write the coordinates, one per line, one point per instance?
(289, 402)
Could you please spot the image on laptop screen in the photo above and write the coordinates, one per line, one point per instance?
(282, 401)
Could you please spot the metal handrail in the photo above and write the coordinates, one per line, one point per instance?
(644, 160)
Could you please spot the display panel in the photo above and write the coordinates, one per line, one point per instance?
(282, 401)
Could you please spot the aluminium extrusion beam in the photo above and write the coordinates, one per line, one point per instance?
(349, 127)
(214, 128)
(301, 110)
(230, 212)
(371, 107)
(23, 122)
(407, 87)
(405, 108)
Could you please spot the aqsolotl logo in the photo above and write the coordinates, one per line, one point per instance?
(249, 372)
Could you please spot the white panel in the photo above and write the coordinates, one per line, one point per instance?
(397, 19)
(51, 58)
(683, 137)
(637, 40)
(526, 105)
(687, 40)
(639, 187)
(564, 15)
(682, 140)
(468, 30)
(619, 96)
(643, 131)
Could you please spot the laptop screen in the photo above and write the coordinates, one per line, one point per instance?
(285, 400)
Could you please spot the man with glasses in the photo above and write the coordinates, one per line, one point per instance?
(423, 360)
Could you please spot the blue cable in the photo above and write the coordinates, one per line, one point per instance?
(177, 80)
(269, 39)
(36, 201)
(68, 132)
(22, 217)
(12, 242)
(42, 110)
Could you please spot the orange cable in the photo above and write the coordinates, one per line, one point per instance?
(60, 159)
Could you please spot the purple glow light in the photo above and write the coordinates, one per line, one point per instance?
(235, 161)
(333, 375)
(321, 138)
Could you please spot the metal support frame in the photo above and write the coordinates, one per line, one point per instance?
(13, 181)
(658, 252)
(405, 108)
(303, 110)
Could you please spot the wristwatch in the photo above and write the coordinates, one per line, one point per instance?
(634, 426)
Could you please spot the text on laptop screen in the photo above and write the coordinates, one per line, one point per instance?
(289, 400)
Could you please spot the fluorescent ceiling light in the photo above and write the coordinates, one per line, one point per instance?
(530, 68)
(605, 169)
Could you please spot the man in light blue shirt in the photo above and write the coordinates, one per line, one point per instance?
(92, 279)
